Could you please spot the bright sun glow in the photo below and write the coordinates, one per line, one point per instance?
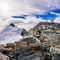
(5, 7)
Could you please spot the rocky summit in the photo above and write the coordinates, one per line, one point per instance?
(40, 43)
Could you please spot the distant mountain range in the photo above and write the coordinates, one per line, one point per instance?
(10, 34)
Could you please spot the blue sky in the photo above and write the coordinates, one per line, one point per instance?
(27, 13)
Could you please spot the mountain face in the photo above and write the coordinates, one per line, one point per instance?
(10, 34)
(49, 30)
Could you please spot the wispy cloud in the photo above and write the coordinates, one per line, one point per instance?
(19, 7)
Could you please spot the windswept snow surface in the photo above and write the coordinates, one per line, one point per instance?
(10, 34)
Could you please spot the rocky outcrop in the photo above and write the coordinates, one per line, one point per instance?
(42, 43)
(4, 57)
(49, 30)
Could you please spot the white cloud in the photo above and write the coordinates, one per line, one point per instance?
(3, 24)
(57, 20)
(27, 27)
(29, 22)
(19, 7)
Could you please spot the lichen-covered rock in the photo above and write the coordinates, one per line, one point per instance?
(4, 57)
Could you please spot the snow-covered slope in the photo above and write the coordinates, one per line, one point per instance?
(10, 34)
